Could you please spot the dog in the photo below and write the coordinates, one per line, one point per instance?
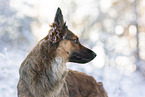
(44, 73)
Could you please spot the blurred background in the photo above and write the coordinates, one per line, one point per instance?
(114, 29)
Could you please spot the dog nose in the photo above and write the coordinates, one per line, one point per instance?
(94, 54)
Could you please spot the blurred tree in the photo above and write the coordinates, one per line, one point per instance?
(137, 28)
(15, 30)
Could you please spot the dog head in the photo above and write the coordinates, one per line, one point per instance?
(69, 46)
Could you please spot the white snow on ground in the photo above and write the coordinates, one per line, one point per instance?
(116, 82)
(9, 68)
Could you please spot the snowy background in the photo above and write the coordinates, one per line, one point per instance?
(114, 29)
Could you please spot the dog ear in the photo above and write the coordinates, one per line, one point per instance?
(59, 18)
(59, 28)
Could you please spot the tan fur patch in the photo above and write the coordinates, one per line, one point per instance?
(64, 49)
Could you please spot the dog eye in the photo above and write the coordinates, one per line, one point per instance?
(76, 40)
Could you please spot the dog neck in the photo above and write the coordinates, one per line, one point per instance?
(56, 76)
(58, 69)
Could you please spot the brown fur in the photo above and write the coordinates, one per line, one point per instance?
(44, 74)
(82, 85)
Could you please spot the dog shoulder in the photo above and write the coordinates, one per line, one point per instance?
(82, 84)
(81, 77)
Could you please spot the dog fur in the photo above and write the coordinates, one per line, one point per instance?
(44, 74)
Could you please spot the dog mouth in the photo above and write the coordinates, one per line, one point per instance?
(82, 57)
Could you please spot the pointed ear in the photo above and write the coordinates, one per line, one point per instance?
(59, 18)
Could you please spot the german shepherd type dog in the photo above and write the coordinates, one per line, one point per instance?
(44, 74)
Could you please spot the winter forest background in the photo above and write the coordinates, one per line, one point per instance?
(114, 29)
